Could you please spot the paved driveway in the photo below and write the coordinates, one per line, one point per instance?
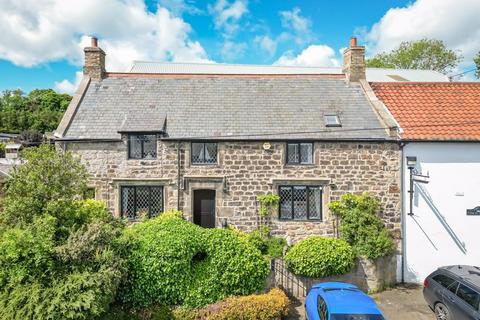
(400, 303)
(404, 303)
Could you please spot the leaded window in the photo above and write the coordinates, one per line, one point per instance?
(138, 201)
(300, 202)
(300, 153)
(204, 153)
(142, 146)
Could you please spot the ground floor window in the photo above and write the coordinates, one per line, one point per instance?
(300, 202)
(137, 201)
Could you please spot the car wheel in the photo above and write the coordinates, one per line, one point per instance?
(441, 312)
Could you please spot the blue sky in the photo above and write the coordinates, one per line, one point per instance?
(42, 42)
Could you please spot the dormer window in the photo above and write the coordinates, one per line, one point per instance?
(142, 146)
(332, 120)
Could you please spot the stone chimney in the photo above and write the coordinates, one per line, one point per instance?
(94, 61)
(354, 61)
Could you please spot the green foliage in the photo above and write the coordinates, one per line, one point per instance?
(268, 245)
(422, 54)
(361, 227)
(173, 262)
(476, 60)
(40, 110)
(268, 203)
(45, 180)
(60, 257)
(320, 257)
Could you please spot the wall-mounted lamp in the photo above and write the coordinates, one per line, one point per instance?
(414, 177)
(411, 162)
(224, 223)
(225, 184)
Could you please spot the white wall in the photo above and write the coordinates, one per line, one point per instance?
(440, 233)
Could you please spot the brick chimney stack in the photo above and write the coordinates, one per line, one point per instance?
(94, 61)
(354, 61)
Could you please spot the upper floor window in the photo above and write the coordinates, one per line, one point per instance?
(142, 146)
(300, 202)
(204, 152)
(137, 201)
(300, 153)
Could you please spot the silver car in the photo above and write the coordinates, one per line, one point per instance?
(453, 292)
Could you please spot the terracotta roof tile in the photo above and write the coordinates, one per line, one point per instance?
(433, 111)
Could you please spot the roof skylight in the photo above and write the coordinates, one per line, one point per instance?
(332, 120)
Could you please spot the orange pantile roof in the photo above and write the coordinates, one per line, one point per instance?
(433, 111)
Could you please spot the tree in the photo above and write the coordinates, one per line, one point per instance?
(40, 110)
(427, 54)
(477, 64)
(60, 256)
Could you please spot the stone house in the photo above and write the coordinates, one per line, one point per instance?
(209, 144)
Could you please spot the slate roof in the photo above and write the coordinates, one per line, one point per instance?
(372, 74)
(225, 108)
(434, 111)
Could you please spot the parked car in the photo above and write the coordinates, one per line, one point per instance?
(453, 292)
(340, 301)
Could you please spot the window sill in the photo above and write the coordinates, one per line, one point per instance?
(300, 220)
(299, 165)
(204, 165)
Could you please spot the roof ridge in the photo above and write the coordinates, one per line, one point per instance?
(235, 64)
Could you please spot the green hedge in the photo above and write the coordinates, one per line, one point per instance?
(320, 257)
(174, 262)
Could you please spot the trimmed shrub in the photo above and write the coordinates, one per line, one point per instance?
(260, 238)
(319, 257)
(361, 226)
(269, 306)
(174, 262)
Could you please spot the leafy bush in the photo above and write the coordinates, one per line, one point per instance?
(270, 306)
(268, 245)
(173, 261)
(268, 203)
(320, 257)
(59, 256)
(361, 227)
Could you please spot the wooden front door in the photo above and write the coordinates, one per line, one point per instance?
(204, 208)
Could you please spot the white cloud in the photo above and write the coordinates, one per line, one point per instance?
(266, 43)
(36, 32)
(65, 86)
(178, 7)
(227, 15)
(456, 22)
(299, 26)
(232, 50)
(313, 55)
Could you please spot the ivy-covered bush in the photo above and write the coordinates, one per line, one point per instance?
(269, 306)
(173, 261)
(319, 257)
(59, 256)
(361, 226)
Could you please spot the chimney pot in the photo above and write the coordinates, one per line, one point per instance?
(353, 42)
(94, 41)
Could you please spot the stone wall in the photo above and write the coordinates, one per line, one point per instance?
(369, 276)
(245, 170)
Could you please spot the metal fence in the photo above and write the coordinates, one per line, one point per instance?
(293, 285)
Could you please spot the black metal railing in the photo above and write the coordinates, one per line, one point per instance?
(293, 285)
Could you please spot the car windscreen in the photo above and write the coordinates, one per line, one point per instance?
(344, 316)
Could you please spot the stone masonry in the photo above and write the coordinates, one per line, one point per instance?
(245, 170)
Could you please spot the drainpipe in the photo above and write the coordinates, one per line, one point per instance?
(402, 210)
(178, 176)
